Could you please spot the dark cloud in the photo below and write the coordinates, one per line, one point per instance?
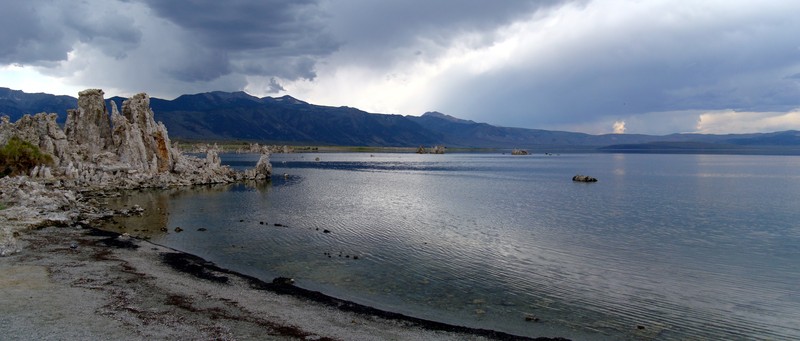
(274, 87)
(202, 65)
(26, 37)
(379, 33)
(288, 25)
(40, 32)
(188, 42)
(112, 32)
(257, 37)
(287, 67)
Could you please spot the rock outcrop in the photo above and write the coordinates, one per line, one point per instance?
(263, 168)
(28, 203)
(127, 149)
(98, 151)
(88, 127)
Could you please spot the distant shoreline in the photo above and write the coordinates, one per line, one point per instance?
(656, 148)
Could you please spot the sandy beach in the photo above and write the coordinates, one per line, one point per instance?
(83, 283)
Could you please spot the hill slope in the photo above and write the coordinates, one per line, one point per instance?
(228, 116)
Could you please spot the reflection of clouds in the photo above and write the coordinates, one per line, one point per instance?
(619, 164)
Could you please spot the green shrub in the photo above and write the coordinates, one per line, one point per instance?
(19, 157)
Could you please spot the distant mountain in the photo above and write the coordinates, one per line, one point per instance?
(458, 132)
(15, 103)
(781, 138)
(239, 116)
(286, 120)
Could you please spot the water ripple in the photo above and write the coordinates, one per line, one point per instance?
(655, 250)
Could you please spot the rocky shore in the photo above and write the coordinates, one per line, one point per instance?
(98, 151)
(61, 278)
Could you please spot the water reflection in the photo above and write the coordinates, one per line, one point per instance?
(619, 164)
(154, 221)
(485, 241)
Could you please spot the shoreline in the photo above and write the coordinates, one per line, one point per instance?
(102, 284)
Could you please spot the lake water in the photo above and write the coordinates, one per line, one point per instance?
(663, 247)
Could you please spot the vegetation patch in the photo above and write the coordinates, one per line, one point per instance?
(19, 157)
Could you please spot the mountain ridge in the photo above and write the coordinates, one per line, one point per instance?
(220, 115)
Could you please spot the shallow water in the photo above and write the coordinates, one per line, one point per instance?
(662, 247)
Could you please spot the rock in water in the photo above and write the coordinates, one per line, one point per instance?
(583, 178)
(263, 167)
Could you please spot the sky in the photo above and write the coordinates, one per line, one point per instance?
(606, 66)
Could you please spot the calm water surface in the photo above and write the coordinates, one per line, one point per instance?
(663, 247)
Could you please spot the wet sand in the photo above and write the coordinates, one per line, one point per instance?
(71, 283)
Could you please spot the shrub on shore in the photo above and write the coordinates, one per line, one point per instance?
(19, 157)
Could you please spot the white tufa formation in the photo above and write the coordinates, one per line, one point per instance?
(121, 150)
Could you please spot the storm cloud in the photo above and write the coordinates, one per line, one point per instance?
(653, 67)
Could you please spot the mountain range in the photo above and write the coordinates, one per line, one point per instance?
(224, 116)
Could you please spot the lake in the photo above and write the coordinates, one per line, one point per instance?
(663, 247)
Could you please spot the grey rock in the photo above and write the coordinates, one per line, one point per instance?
(88, 127)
